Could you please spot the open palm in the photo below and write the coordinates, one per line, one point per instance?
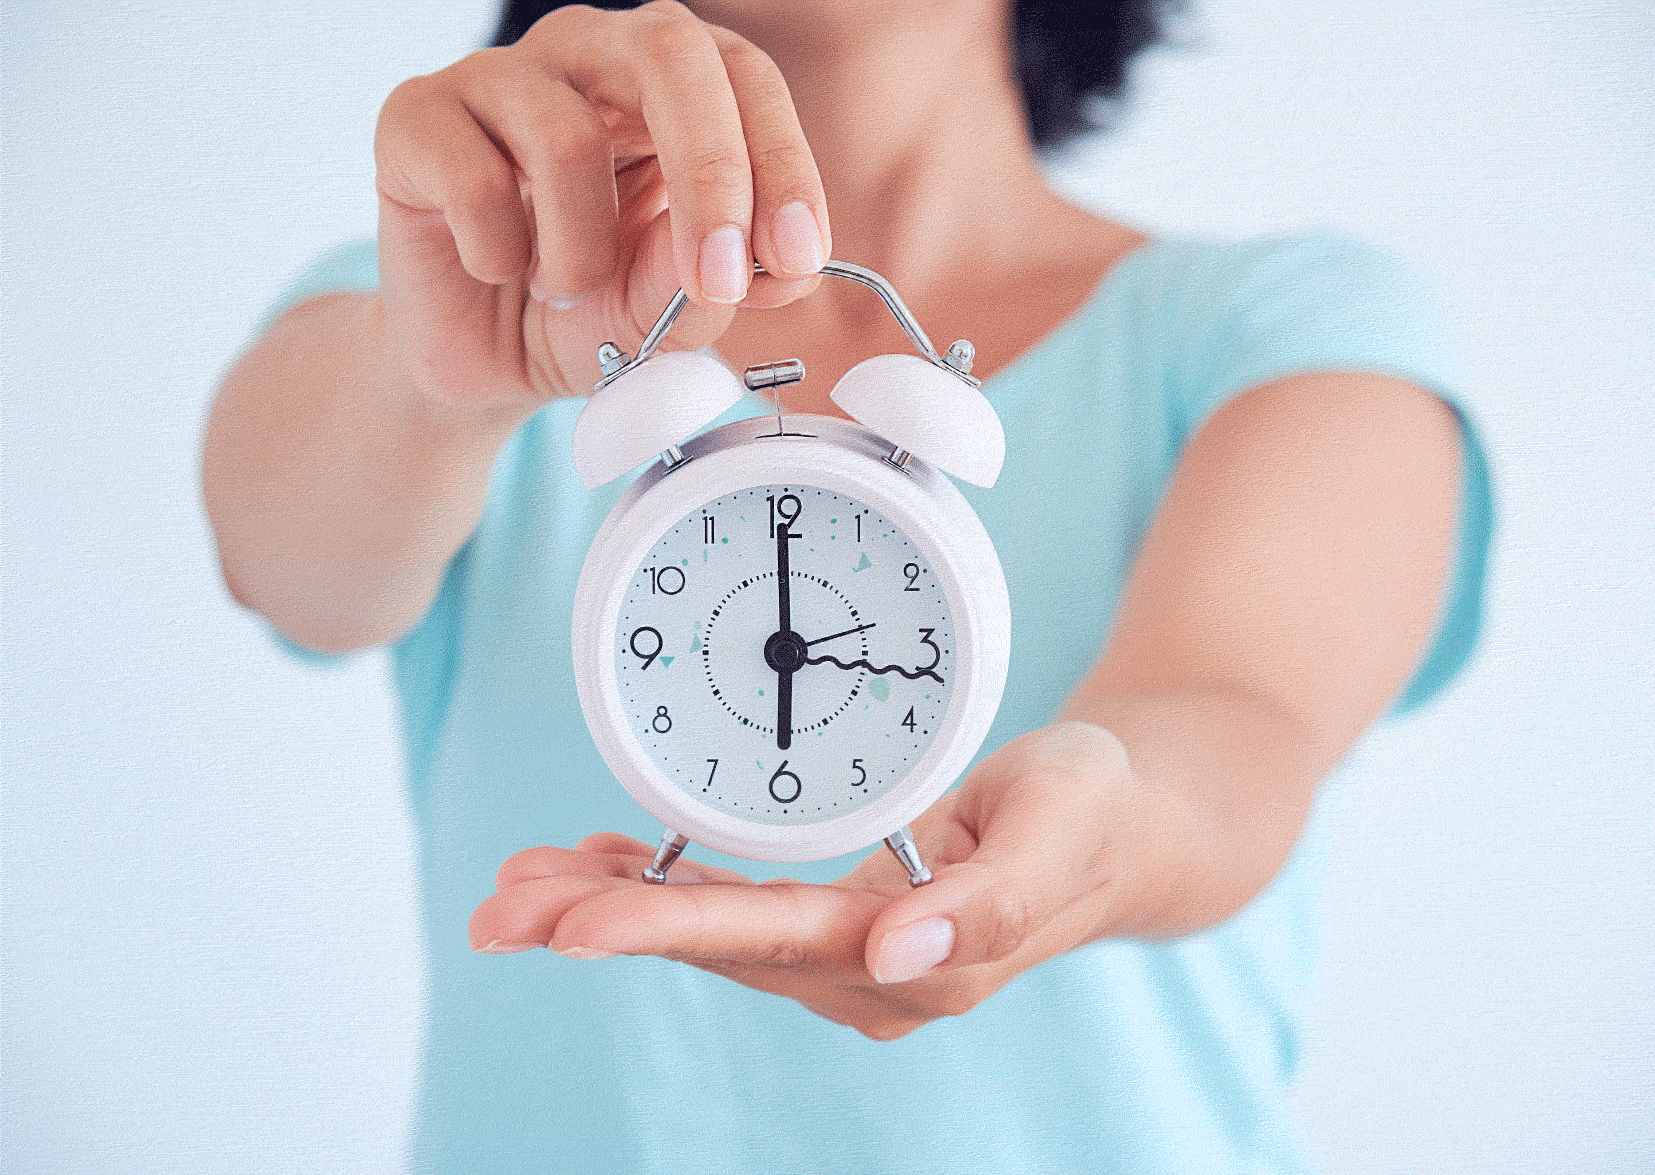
(1022, 859)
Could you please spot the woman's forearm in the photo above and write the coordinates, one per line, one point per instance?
(337, 492)
(1219, 786)
(1280, 602)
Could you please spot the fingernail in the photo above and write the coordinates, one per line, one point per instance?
(797, 238)
(541, 290)
(587, 953)
(726, 265)
(915, 950)
(501, 947)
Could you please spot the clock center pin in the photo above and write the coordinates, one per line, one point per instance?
(785, 652)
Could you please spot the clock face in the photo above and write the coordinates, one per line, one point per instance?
(785, 654)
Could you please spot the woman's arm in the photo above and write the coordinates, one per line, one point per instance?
(338, 492)
(1280, 601)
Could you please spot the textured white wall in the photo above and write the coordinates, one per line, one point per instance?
(210, 963)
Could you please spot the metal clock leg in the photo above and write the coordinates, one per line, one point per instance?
(901, 842)
(671, 846)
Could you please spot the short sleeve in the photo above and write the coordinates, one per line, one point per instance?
(1267, 309)
(351, 266)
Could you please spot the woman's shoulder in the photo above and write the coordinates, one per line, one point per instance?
(1237, 270)
(350, 265)
(1231, 310)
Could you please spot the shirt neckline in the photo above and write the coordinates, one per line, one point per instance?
(995, 385)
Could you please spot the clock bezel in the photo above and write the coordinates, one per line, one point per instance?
(841, 457)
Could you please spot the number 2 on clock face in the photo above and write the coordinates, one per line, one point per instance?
(785, 654)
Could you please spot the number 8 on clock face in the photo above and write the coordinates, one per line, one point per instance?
(785, 654)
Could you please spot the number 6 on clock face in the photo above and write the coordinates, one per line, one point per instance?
(787, 648)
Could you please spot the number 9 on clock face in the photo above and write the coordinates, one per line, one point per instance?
(785, 654)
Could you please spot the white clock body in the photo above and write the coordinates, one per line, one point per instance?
(899, 610)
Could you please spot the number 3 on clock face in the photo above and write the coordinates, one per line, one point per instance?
(785, 654)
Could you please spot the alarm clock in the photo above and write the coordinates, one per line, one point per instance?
(791, 632)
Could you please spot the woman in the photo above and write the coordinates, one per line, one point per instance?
(1228, 520)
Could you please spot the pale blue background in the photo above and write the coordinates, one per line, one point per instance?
(210, 964)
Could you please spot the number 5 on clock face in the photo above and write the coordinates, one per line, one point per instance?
(784, 654)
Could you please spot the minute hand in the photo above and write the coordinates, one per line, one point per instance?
(784, 618)
(837, 635)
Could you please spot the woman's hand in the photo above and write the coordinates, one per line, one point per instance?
(1046, 846)
(523, 196)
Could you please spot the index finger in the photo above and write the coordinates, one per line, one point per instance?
(791, 236)
(668, 67)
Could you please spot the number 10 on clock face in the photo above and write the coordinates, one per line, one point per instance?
(785, 654)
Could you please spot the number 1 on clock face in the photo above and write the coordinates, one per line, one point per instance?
(785, 654)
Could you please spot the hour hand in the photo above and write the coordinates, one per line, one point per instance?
(784, 710)
(784, 651)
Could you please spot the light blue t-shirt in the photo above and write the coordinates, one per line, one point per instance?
(1119, 1057)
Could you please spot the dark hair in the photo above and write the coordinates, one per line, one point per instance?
(1072, 55)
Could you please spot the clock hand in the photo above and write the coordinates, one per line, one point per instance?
(847, 632)
(910, 674)
(784, 619)
(787, 648)
(784, 709)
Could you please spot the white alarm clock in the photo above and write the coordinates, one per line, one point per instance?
(791, 633)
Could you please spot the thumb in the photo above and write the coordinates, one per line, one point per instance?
(1043, 828)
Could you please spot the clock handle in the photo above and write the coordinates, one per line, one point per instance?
(614, 362)
(915, 402)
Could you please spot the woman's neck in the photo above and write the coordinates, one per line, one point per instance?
(916, 119)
